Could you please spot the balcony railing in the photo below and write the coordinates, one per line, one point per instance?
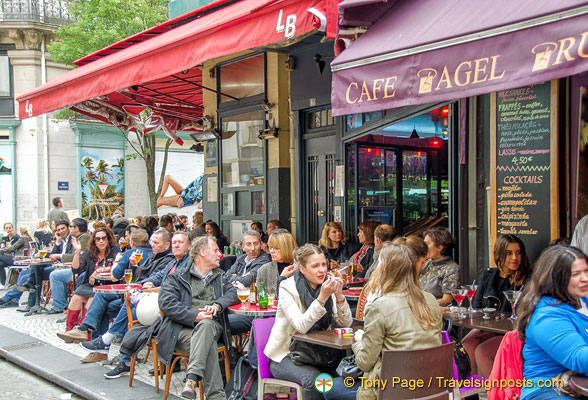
(47, 11)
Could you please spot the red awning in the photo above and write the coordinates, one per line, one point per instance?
(429, 51)
(162, 72)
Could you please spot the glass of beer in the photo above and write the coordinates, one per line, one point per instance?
(138, 256)
(124, 242)
(243, 295)
(42, 251)
(271, 296)
(128, 276)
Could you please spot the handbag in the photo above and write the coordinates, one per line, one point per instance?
(462, 360)
(304, 353)
(348, 367)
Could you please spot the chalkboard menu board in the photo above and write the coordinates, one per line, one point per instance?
(523, 165)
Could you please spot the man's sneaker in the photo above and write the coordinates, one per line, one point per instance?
(120, 370)
(190, 388)
(9, 304)
(96, 346)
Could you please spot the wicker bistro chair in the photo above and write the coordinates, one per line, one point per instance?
(151, 347)
(432, 366)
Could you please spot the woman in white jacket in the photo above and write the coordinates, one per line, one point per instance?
(309, 301)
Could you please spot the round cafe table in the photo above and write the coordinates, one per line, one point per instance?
(579, 384)
(117, 288)
(253, 310)
(351, 294)
(104, 277)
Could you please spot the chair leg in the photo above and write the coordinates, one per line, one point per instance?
(147, 355)
(227, 365)
(132, 371)
(201, 390)
(168, 373)
(155, 363)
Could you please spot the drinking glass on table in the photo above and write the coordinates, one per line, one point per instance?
(243, 295)
(459, 295)
(512, 297)
(271, 296)
(471, 293)
(128, 277)
(42, 251)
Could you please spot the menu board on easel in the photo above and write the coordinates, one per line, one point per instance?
(524, 165)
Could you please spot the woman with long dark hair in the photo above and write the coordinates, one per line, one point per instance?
(364, 257)
(511, 272)
(213, 229)
(97, 258)
(309, 301)
(552, 320)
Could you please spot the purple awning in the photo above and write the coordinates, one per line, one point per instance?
(428, 51)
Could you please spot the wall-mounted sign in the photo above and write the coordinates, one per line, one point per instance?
(62, 185)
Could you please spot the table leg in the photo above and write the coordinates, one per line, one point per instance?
(37, 308)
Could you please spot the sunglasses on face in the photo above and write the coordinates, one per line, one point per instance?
(101, 238)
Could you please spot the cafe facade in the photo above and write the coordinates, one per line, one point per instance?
(494, 104)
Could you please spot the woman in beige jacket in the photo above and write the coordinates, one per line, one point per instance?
(308, 301)
(404, 317)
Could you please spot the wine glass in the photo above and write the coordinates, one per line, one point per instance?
(243, 295)
(471, 293)
(512, 296)
(459, 295)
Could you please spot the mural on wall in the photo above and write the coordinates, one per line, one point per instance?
(5, 184)
(103, 188)
(182, 184)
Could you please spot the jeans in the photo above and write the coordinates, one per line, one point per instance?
(13, 294)
(42, 273)
(303, 374)
(103, 307)
(342, 392)
(240, 324)
(58, 279)
(5, 261)
(120, 325)
(547, 394)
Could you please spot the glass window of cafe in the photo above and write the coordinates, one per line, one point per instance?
(402, 169)
(242, 118)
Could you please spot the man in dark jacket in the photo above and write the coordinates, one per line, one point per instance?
(244, 267)
(194, 304)
(181, 261)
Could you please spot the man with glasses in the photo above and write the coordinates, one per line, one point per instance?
(242, 270)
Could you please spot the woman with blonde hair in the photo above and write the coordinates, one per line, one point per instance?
(417, 246)
(281, 245)
(43, 234)
(403, 317)
(310, 301)
(334, 244)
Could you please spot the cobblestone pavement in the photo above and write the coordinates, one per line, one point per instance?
(44, 327)
(18, 383)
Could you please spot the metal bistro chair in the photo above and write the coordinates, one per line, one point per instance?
(262, 328)
(429, 365)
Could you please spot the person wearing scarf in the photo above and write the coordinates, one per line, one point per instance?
(309, 301)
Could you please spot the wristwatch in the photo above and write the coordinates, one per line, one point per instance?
(219, 308)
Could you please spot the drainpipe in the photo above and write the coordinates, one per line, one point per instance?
(45, 130)
(292, 176)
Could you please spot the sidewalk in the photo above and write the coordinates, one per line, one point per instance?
(31, 342)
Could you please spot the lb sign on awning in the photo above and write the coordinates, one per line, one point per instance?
(527, 52)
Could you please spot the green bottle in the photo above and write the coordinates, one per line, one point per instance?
(262, 297)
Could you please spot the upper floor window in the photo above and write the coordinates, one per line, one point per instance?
(6, 96)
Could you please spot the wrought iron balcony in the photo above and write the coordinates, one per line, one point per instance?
(54, 12)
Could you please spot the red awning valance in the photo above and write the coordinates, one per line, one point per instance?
(162, 72)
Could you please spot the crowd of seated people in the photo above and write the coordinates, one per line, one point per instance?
(408, 287)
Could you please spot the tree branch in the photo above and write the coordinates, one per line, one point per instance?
(164, 165)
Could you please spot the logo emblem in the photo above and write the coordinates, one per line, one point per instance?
(543, 52)
(426, 83)
(323, 383)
